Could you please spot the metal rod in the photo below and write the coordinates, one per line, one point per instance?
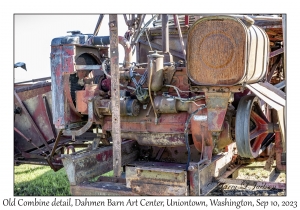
(126, 20)
(27, 139)
(49, 114)
(56, 143)
(274, 67)
(137, 33)
(165, 33)
(144, 28)
(115, 95)
(276, 52)
(98, 24)
(34, 80)
(36, 163)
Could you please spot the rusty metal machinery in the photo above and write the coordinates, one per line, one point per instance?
(182, 116)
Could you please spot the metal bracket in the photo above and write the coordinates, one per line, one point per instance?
(89, 123)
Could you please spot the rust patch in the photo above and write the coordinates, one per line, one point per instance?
(215, 51)
(104, 156)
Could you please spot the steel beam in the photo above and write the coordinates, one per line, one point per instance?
(202, 177)
(84, 165)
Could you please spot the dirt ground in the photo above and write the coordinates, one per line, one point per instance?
(253, 172)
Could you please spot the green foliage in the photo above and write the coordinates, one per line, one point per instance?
(34, 180)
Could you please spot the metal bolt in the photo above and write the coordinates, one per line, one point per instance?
(191, 168)
(111, 24)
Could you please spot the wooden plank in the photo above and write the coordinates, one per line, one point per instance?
(115, 94)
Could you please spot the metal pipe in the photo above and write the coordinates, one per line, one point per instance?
(128, 51)
(149, 89)
(105, 40)
(180, 36)
(165, 33)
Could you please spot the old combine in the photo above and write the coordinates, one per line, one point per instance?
(204, 95)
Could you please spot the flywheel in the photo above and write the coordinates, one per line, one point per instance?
(253, 131)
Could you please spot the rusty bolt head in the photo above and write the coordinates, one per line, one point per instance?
(191, 168)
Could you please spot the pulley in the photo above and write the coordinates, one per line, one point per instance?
(253, 131)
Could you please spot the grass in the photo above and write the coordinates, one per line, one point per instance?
(35, 180)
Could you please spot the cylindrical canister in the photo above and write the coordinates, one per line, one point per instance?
(155, 71)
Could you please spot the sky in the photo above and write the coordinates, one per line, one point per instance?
(34, 33)
(28, 39)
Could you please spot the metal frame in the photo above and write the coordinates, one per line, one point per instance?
(194, 178)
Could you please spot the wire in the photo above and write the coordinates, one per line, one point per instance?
(182, 91)
(192, 99)
(144, 28)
